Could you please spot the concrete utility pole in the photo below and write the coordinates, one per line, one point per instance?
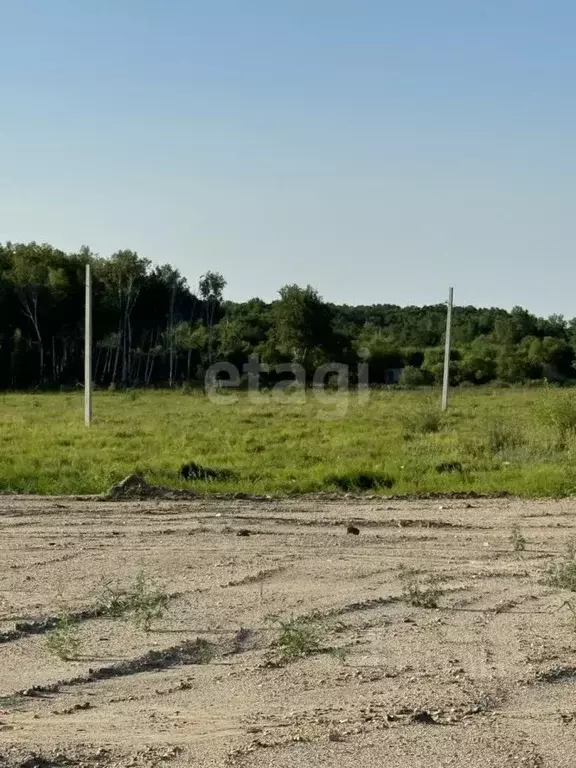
(447, 350)
(88, 350)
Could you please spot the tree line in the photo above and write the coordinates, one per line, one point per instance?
(151, 328)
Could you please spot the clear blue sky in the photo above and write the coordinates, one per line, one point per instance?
(376, 149)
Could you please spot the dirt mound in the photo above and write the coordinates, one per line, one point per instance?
(135, 487)
(132, 486)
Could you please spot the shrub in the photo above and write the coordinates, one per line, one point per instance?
(148, 601)
(298, 638)
(414, 377)
(557, 410)
(113, 601)
(64, 640)
(421, 592)
(143, 602)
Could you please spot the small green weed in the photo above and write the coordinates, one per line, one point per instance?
(517, 539)
(113, 601)
(148, 601)
(420, 592)
(143, 602)
(297, 639)
(64, 640)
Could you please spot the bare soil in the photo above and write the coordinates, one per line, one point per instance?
(486, 678)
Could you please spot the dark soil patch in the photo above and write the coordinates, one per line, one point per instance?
(353, 530)
(557, 675)
(243, 640)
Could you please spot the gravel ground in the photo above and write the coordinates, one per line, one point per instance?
(483, 676)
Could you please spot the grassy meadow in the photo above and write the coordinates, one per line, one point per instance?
(518, 440)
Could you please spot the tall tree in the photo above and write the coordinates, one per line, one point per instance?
(302, 326)
(211, 288)
(123, 274)
(35, 274)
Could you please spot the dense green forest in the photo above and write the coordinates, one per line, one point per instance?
(153, 329)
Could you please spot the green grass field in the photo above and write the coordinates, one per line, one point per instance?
(521, 441)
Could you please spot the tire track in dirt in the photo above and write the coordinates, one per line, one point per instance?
(188, 653)
(408, 673)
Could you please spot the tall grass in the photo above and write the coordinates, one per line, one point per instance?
(520, 441)
(556, 410)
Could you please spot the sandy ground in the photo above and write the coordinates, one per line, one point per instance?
(485, 679)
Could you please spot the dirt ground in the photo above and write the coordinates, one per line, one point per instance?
(486, 678)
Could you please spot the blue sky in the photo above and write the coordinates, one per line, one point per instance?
(377, 150)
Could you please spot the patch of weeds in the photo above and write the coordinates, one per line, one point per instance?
(425, 420)
(64, 640)
(297, 639)
(563, 574)
(148, 601)
(143, 602)
(419, 591)
(473, 447)
(501, 437)
(496, 440)
(517, 539)
(360, 481)
(557, 410)
(112, 601)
